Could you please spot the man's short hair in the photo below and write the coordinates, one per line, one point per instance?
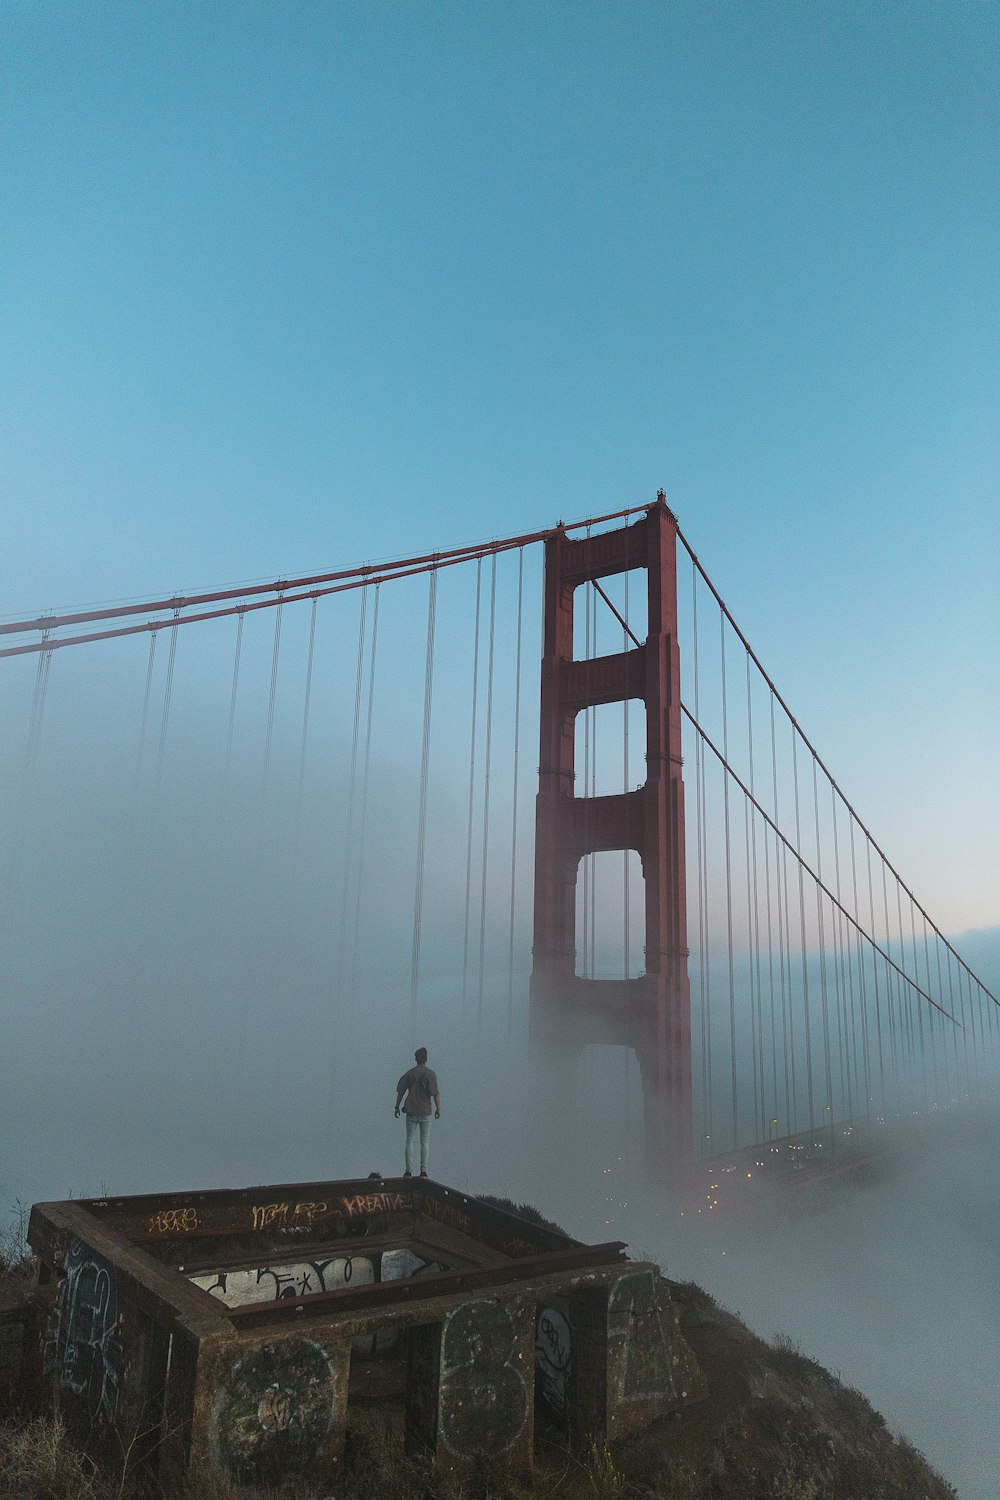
(421, 1054)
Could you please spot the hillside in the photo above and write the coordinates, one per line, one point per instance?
(774, 1424)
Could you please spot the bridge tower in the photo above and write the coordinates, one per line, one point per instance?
(652, 1012)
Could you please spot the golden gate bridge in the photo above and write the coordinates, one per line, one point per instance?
(692, 883)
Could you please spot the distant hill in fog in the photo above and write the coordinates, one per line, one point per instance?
(980, 947)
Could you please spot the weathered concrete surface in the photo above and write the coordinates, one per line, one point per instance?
(630, 1363)
(217, 1331)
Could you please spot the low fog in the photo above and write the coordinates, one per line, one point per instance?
(206, 983)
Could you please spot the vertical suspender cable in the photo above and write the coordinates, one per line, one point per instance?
(753, 919)
(486, 793)
(352, 785)
(592, 793)
(37, 711)
(271, 696)
(418, 898)
(513, 829)
(972, 1023)
(821, 939)
(777, 902)
(965, 1034)
(586, 775)
(758, 1123)
(889, 981)
(134, 835)
(910, 1034)
(365, 778)
(836, 922)
(930, 1019)
(235, 688)
(953, 1090)
(789, 1042)
(342, 969)
(255, 906)
(703, 986)
(784, 943)
(625, 780)
(472, 785)
(626, 1055)
(802, 936)
(167, 691)
(856, 944)
(919, 1003)
(28, 768)
(305, 722)
(145, 705)
(729, 889)
(878, 1008)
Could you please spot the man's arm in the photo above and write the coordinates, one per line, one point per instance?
(399, 1099)
(437, 1106)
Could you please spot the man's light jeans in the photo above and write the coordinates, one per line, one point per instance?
(415, 1124)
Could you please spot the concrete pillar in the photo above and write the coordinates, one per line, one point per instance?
(470, 1387)
(621, 1373)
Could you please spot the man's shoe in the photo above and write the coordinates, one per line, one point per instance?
(423, 1174)
(407, 1173)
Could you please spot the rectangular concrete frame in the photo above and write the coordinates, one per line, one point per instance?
(140, 1359)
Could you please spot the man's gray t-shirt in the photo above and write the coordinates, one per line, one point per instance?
(420, 1086)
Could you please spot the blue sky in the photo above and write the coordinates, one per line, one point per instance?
(288, 287)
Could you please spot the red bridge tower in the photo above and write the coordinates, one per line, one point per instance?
(651, 1013)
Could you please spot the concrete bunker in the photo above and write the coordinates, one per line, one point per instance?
(247, 1332)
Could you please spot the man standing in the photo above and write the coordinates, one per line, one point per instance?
(420, 1087)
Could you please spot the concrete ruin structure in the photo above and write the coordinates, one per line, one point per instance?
(245, 1333)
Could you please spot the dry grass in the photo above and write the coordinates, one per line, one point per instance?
(17, 1265)
(37, 1462)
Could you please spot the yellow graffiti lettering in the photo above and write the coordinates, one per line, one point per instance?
(266, 1214)
(308, 1213)
(174, 1221)
(373, 1203)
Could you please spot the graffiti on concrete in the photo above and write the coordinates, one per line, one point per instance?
(397, 1264)
(394, 1265)
(300, 1278)
(86, 1356)
(484, 1400)
(289, 1215)
(446, 1213)
(174, 1221)
(553, 1353)
(365, 1204)
(634, 1323)
(304, 1278)
(274, 1411)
